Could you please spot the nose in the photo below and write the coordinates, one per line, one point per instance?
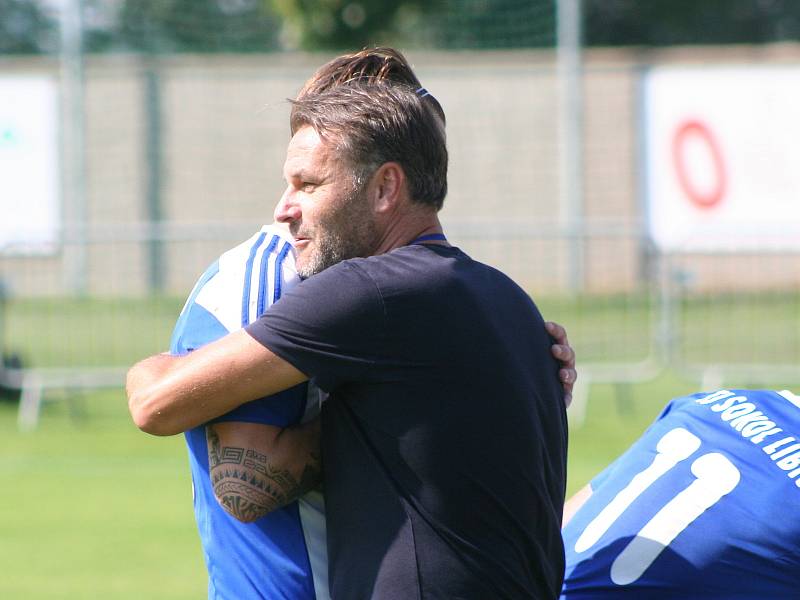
(288, 209)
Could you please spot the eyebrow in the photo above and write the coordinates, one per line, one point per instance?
(304, 175)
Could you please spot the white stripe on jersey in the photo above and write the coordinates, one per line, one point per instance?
(257, 274)
(230, 280)
(793, 398)
(312, 518)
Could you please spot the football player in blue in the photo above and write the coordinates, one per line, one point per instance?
(272, 546)
(704, 505)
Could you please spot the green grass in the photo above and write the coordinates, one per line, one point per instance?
(744, 328)
(741, 328)
(92, 508)
(605, 328)
(92, 332)
(615, 416)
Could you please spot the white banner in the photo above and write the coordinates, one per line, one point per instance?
(29, 165)
(723, 158)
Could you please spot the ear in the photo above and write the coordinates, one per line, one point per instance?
(386, 187)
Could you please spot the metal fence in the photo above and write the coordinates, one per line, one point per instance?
(688, 313)
(167, 160)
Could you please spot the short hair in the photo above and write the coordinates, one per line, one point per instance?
(375, 124)
(369, 65)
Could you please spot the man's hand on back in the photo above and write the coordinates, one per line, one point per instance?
(564, 353)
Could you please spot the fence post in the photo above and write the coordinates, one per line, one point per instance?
(153, 161)
(73, 147)
(570, 79)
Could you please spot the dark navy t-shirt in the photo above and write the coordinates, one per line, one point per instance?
(444, 439)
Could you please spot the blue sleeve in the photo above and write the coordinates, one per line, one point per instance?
(281, 409)
(601, 477)
(196, 326)
(226, 287)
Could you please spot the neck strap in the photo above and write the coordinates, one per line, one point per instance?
(431, 237)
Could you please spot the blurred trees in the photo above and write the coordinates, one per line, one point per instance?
(198, 26)
(677, 22)
(348, 24)
(482, 24)
(30, 26)
(25, 28)
(476, 24)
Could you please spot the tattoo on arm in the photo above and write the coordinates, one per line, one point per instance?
(248, 484)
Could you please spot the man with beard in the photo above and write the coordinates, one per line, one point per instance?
(444, 437)
(265, 537)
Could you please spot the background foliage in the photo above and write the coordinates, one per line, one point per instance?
(30, 26)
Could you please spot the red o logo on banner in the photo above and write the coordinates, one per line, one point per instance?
(695, 132)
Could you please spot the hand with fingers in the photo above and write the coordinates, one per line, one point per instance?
(564, 353)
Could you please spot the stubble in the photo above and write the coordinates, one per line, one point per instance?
(348, 231)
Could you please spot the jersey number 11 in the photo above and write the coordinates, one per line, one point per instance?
(715, 476)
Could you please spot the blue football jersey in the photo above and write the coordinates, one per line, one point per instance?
(282, 555)
(706, 505)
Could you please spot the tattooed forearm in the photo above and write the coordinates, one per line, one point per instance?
(249, 496)
(249, 484)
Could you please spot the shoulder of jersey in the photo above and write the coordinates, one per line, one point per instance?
(269, 238)
(248, 276)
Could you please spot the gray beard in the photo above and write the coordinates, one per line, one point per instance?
(348, 233)
(330, 248)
